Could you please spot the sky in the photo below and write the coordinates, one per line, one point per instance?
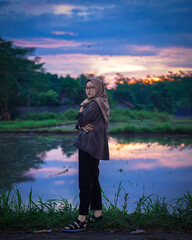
(133, 37)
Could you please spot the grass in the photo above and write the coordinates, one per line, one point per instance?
(29, 124)
(151, 213)
(153, 128)
(39, 120)
(120, 121)
(126, 115)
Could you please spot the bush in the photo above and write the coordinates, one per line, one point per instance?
(40, 116)
(49, 98)
(69, 114)
(162, 117)
(125, 115)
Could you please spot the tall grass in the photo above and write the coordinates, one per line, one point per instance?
(128, 121)
(28, 124)
(157, 128)
(151, 212)
(67, 115)
(126, 115)
(39, 120)
(17, 215)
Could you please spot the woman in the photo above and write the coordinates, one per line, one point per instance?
(92, 143)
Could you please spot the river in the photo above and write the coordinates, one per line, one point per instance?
(159, 165)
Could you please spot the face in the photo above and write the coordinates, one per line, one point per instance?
(90, 89)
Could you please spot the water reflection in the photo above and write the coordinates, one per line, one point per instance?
(151, 155)
(49, 164)
(19, 154)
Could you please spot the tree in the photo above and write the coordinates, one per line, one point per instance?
(73, 89)
(16, 74)
(50, 98)
(161, 97)
(123, 91)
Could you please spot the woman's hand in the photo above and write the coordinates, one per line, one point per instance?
(88, 127)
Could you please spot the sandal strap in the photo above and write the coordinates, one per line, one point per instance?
(76, 224)
(81, 224)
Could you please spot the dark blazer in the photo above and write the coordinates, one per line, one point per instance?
(95, 142)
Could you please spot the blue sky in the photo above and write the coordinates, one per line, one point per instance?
(132, 37)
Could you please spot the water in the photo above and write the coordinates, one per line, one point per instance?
(159, 165)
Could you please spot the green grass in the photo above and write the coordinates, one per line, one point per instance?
(120, 121)
(153, 128)
(35, 121)
(67, 115)
(151, 213)
(46, 126)
(29, 124)
(126, 115)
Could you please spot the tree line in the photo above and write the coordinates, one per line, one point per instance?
(24, 82)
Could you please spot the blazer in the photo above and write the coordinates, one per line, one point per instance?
(95, 142)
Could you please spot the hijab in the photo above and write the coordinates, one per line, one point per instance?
(100, 97)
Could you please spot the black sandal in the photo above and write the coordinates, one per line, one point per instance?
(76, 226)
(93, 219)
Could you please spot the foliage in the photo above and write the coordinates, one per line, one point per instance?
(170, 91)
(40, 116)
(72, 89)
(151, 212)
(125, 115)
(155, 128)
(15, 72)
(120, 121)
(49, 98)
(69, 114)
(24, 83)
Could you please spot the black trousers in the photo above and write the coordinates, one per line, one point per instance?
(89, 186)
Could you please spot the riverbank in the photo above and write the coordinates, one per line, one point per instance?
(152, 213)
(97, 236)
(136, 126)
(120, 121)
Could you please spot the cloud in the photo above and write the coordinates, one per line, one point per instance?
(83, 11)
(57, 155)
(47, 43)
(165, 59)
(63, 33)
(141, 50)
(32, 8)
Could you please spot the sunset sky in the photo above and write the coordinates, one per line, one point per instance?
(131, 37)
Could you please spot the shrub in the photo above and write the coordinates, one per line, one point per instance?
(69, 114)
(40, 116)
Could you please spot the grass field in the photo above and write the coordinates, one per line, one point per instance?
(151, 213)
(120, 121)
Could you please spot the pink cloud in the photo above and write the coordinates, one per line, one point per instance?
(64, 33)
(137, 48)
(166, 59)
(149, 155)
(57, 155)
(48, 43)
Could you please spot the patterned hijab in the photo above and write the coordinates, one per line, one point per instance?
(101, 97)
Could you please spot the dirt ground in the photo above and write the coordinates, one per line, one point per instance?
(96, 236)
